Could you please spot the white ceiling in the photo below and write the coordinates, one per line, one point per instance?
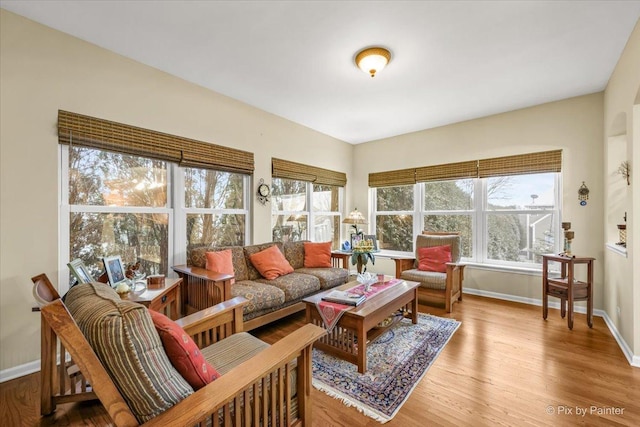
(451, 61)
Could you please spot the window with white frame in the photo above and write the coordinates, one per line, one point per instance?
(118, 204)
(504, 218)
(293, 220)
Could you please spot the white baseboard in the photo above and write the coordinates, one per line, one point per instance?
(634, 360)
(19, 371)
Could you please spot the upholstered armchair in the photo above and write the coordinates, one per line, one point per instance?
(444, 284)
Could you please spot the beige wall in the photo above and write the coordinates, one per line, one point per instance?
(43, 70)
(573, 125)
(622, 281)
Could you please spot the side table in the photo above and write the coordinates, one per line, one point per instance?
(566, 287)
(164, 299)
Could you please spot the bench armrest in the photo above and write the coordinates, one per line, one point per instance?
(235, 393)
(202, 288)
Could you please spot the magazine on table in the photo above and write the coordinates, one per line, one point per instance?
(344, 297)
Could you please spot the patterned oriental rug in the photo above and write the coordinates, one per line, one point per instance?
(396, 361)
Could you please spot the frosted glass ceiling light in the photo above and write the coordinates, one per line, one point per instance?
(373, 59)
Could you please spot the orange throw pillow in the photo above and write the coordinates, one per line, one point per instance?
(221, 262)
(183, 352)
(271, 263)
(317, 254)
(434, 258)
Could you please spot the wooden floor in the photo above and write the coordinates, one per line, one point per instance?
(504, 366)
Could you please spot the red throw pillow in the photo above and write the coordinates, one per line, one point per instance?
(434, 258)
(220, 262)
(183, 352)
(271, 263)
(317, 254)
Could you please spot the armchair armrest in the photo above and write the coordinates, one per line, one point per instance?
(248, 391)
(202, 288)
(403, 263)
(214, 323)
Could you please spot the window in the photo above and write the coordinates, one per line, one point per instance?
(291, 218)
(119, 204)
(509, 220)
(506, 209)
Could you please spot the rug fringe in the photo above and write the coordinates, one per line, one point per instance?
(350, 403)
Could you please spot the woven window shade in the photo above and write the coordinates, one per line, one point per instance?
(392, 178)
(86, 131)
(547, 161)
(448, 171)
(301, 172)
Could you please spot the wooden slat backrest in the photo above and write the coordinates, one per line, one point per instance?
(57, 317)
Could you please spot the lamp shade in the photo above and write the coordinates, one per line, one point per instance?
(373, 59)
(354, 217)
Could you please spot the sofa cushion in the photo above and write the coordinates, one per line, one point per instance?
(252, 272)
(329, 277)
(317, 255)
(434, 258)
(123, 337)
(261, 296)
(198, 258)
(221, 262)
(294, 253)
(428, 241)
(294, 285)
(271, 263)
(183, 352)
(228, 353)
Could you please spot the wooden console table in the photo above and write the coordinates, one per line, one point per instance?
(560, 287)
(164, 299)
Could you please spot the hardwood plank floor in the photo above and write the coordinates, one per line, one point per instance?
(504, 366)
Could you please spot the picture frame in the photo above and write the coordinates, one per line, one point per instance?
(80, 271)
(115, 270)
(355, 238)
(371, 237)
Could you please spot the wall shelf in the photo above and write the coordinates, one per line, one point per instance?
(617, 249)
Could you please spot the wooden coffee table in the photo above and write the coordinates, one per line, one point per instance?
(348, 339)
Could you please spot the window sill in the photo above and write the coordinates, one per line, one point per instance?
(505, 268)
(617, 249)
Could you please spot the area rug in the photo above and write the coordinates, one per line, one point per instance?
(396, 361)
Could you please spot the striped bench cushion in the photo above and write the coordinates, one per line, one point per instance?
(125, 340)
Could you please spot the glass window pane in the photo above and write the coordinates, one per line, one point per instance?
(395, 232)
(520, 237)
(102, 178)
(394, 198)
(326, 198)
(289, 228)
(327, 228)
(534, 191)
(459, 223)
(205, 188)
(133, 236)
(449, 195)
(288, 195)
(216, 230)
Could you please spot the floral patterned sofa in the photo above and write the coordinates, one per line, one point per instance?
(269, 299)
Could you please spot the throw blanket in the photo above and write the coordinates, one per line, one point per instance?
(331, 312)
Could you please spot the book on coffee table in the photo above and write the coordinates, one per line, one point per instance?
(344, 297)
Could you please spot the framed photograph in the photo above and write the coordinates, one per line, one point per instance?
(115, 270)
(80, 271)
(355, 239)
(372, 237)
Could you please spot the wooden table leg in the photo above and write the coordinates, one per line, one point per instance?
(362, 348)
(414, 307)
(563, 307)
(590, 294)
(570, 297)
(545, 297)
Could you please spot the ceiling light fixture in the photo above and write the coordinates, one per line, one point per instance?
(373, 59)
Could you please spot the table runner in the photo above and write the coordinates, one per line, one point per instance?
(331, 312)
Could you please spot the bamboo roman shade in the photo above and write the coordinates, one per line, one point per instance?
(392, 178)
(298, 171)
(547, 161)
(86, 131)
(458, 170)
